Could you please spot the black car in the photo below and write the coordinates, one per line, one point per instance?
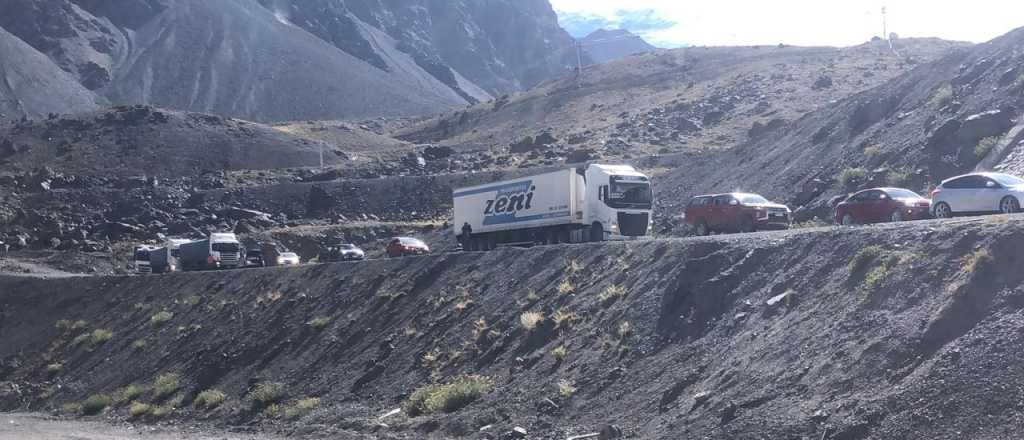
(254, 258)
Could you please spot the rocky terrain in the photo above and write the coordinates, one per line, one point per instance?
(269, 60)
(604, 45)
(32, 86)
(900, 331)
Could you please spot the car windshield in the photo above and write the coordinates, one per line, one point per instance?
(1006, 179)
(752, 199)
(899, 193)
(225, 247)
(411, 242)
(347, 246)
(631, 192)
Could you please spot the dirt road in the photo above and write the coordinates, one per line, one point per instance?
(20, 426)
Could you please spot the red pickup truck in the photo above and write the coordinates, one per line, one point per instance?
(735, 212)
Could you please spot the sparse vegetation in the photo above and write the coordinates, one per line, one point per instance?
(573, 268)
(864, 257)
(319, 323)
(139, 344)
(160, 318)
(1019, 83)
(852, 176)
(898, 176)
(876, 276)
(193, 300)
(431, 358)
(611, 294)
(872, 151)
(943, 96)
(532, 296)
(985, 146)
(531, 320)
(624, 329)
(564, 320)
(463, 304)
(54, 369)
(99, 336)
(560, 353)
(301, 407)
(209, 399)
(977, 260)
(161, 411)
(566, 388)
(139, 409)
(96, 404)
(449, 397)
(65, 325)
(566, 287)
(128, 393)
(166, 384)
(268, 393)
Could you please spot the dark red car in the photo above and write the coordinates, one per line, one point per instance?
(402, 246)
(878, 205)
(735, 212)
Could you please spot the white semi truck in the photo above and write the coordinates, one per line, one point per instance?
(604, 202)
(219, 251)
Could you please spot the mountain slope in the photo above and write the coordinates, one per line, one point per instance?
(32, 85)
(604, 45)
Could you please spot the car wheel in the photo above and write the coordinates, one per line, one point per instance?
(702, 228)
(596, 232)
(897, 216)
(746, 224)
(942, 210)
(1009, 205)
(848, 220)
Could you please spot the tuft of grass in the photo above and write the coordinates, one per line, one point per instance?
(160, 318)
(139, 409)
(573, 267)
(624, 329)
(566, 388)
(985, 146)
(268, 393)
(319, 323)
(54, 369)
(161, 411)
(564, 320)
(447, 398)
(209, 400)
(980, 258)
(566, 287)
(166, 384)
(530, 320)
(864, 257)
(463, 304)
(96, 404)
(560, 353)
(71, 408)
(66, 325)
(431, 358)
(100, 336)
(1019, 83)
(128, 393)
(876, 276)
(532, 296)
(851, 176)
(611, 294)
(193, 300)
(872, 151)
(942, 97)
(139, 344)
(301, 408)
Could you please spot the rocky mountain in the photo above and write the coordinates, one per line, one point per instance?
(604, 45)
(276, 60)
(32, 85)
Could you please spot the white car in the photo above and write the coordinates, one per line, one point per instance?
(288, 259)
(978, 193)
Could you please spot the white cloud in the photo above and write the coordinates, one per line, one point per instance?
(808, 22)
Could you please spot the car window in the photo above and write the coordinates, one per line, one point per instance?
(700, 201)
(899, 193)
(753, 199)
(966, 182)
(722, 200)
(1006, 179)
(876, 195)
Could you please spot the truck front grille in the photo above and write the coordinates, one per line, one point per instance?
(229, 258)
(633, 225)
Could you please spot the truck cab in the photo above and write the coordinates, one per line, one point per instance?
(618, 202)
(227, 250)
(141, 259)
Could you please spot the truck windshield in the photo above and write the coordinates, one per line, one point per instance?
(141, 255)
(631, 194)
(225, 247)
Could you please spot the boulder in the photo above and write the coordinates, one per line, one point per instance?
(438, 152)
(760, 129)
(983, 125)
(581, 155)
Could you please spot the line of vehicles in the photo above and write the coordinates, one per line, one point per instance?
(601, 202)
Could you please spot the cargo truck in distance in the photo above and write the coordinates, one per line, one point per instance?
(603, 202)
(166, 259)
(219, 251)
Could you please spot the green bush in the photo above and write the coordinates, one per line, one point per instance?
(268, 393)
(850, 176)
(447, 397)
(95, 404)
(319, 323)
(166, 384)
(943, 96)
(209, 399)
(128, 393)
(139, 409)
(985, 146)
(160, 318)
(100, 336)
(301, 408)
(864, 257)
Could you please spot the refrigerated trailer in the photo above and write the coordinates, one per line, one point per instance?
(219, 251)
(603, 202)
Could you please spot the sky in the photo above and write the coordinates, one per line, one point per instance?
(675, 23)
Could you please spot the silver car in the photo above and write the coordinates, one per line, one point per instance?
(978, 193)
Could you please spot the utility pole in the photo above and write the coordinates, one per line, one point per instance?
(321, 156)
(885, 25)
(579, 62)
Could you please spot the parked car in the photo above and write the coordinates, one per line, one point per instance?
(735, 212)
(977, 193)
(342, 252)
(254, 258)
(878, 205)
(288, 259)
(402, 246)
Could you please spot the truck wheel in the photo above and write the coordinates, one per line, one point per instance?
(702, 228)
(596, 232)
(552, 235)
(565, 235)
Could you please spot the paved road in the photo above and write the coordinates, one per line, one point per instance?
(21, 426)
